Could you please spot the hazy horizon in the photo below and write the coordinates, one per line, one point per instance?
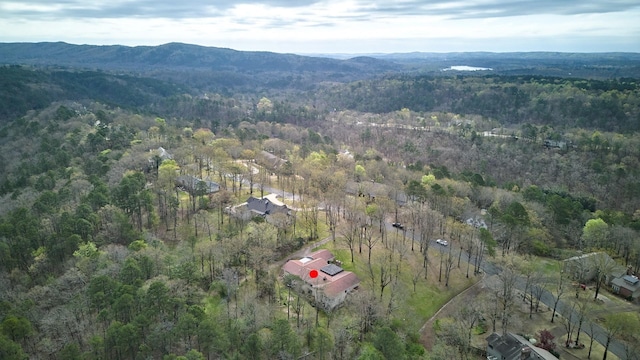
(337, 55)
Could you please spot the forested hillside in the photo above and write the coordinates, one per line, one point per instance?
(106, 252)
(199, 67)
(23, 89)
(609, 105)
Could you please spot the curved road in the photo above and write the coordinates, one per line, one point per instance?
(599, 333)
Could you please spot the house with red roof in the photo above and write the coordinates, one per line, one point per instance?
(332, 285)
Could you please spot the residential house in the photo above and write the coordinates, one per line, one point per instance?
(163, 154)
(627, 285)
(583, 268)
(157, 157)
(269, 160)
(331, 287)
(264, 207)
(514, 347)
(192, 185)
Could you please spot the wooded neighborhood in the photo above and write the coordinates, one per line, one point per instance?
(163, 217)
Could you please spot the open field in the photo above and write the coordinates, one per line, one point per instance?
(412, 308)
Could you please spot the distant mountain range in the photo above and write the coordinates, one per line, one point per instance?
(179, 56)
(219, 69)
(204, 68)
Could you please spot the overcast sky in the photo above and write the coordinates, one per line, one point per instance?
(332, 26)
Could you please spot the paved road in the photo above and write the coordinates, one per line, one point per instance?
(268, 189)
(489, 268)
(564, 309)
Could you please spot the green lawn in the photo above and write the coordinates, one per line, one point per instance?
(410, 308)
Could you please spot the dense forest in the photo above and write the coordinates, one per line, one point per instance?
(104, 255)
(608, 105)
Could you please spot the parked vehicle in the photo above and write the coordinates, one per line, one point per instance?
(398, 225)
(442, 242)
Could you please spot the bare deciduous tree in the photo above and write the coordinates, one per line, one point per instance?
(557, 293)
(506, 295)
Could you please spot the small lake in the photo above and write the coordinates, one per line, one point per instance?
(466, 68)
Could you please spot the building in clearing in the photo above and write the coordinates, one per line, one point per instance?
(332, 285)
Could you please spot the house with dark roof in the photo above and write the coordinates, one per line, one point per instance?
(627, 286)
(332, 285)
(514, 347)
(192, 185)
(264, 207)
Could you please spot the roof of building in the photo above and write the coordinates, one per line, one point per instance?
(272, 160)
(322, 254)
(264, 206)
(511, 345)
(544, 354)
(190, 183)
(340, 283)
(164, 154)
(506, 345)
(333, 280)
(628, 282)
(301, 268)
(331, 269)
(583, 256)
(618, 271)
(590, 260)
(315, 261)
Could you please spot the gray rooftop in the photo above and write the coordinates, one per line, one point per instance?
(331, 269)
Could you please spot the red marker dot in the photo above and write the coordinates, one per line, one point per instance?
(313, 274)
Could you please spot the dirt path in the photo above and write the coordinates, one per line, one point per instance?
(427, 334)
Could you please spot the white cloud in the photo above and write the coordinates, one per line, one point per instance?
(331, 25)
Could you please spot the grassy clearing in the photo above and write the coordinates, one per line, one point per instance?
(597, 352)
(409, 307)
(546, 267)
